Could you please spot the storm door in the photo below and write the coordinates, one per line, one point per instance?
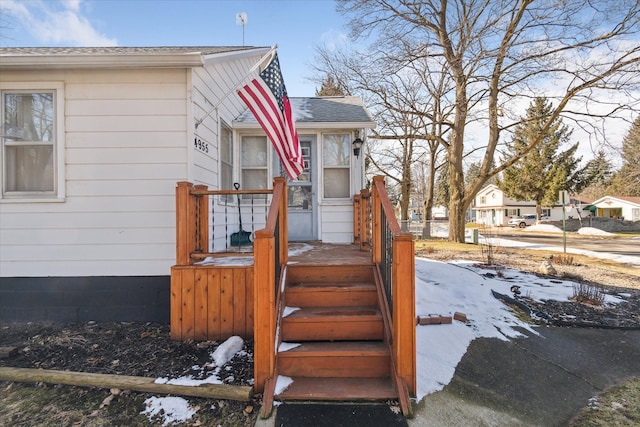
(302, 215)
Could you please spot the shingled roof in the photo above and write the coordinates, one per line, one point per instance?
(310, 112)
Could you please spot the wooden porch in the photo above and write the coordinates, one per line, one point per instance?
(339, 320)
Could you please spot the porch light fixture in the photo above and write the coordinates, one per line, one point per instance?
(357, 144)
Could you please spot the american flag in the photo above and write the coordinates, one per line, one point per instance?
(266, 97)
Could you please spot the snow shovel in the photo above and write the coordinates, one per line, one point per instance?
(241, 237)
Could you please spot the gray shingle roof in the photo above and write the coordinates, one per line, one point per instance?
(332, 109)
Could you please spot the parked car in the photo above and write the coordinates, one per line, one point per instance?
(522, 221)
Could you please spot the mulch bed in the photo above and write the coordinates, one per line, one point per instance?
(121, 348)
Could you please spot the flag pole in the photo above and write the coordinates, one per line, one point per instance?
(252, 70)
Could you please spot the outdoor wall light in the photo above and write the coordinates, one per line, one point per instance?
(357, 144)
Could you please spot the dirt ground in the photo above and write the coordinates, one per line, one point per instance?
(145, 349)
(138, 349)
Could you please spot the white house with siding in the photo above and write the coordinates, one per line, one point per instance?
(94, 141)
(627, 208)
(493, 207)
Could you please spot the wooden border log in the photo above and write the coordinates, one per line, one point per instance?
(124, 382)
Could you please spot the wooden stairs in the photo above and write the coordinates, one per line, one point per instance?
(333, 339)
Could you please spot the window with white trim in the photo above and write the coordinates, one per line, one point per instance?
(336, 161)
(226, 157)
(254, 161)
(31, 143)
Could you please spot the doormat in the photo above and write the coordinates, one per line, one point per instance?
(338, 415)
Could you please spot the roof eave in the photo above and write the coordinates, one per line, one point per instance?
(216, 58)
(19, 62)
(312, 125)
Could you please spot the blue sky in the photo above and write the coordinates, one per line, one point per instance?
(295, 26)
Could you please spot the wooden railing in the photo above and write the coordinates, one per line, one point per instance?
(362, 219)
(393, 254)
(270, 258)
(198, 237)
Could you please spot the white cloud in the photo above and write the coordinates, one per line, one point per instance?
(333, 39)
(56, 23)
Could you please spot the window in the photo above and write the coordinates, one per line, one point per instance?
(255, 157)
(511, 212)
(336, 150)
(483, 200)
(226, 157)
(546, 212)
(30, 144)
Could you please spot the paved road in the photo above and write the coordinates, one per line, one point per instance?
(620, 245)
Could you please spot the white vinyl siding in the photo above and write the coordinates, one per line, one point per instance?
(125, 149)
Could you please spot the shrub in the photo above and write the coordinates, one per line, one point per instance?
(588, 294)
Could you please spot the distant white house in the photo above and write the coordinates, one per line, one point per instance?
(93, 142)
(493, 207)
(619, 207)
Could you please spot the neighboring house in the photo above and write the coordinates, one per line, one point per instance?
(492, 207)
(618, 207)
(94, 141)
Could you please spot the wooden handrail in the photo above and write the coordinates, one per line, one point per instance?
(270, 255)
(398, 273)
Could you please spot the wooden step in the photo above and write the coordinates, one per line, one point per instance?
(336, 294)
(299, 273)
(333, 324)
(336, 359)
(349, 389)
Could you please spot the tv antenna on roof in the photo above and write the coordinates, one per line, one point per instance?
(241, 19)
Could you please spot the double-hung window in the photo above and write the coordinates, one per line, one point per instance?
(255, 159)
(336, 150)
(226, 157)
(31, 146)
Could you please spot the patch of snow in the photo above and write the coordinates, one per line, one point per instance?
(547, 228)
(289, 310)
(227, 261)
(299, 248)
(173, 410)
(282, 383)
(286, 346)
(592, 231)
(227, 350)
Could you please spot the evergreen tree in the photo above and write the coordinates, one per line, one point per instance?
(598, 172)
(627, 180)
(330, 88)
(442, 191)
(543, 171)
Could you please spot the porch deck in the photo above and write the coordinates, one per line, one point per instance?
(327, 254)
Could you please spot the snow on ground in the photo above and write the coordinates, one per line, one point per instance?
(177, 409)
(173, 409)
(444, 288)
(592, 231)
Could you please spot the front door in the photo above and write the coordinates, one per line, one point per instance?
(302, 222)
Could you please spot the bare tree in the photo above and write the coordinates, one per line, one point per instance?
(405, 102)
(583, 55)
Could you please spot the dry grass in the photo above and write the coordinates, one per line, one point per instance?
(617, 406)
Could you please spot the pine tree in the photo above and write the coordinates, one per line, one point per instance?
(442, 193)
(627, 180)
(598, 172)
(544, 170)
(330, 88)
